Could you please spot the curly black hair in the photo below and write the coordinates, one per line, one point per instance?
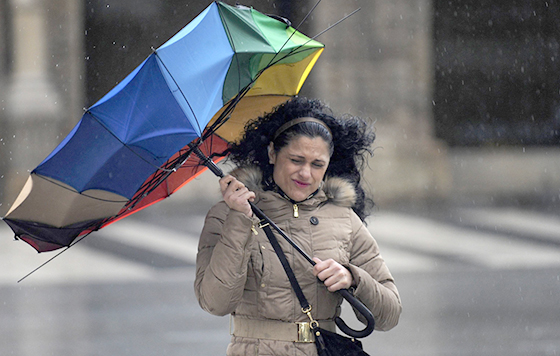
(351, 142)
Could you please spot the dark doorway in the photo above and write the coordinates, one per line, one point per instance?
(497, 72)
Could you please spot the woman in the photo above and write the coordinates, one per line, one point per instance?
(301, 167)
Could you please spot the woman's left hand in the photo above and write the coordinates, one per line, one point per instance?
(334, 275)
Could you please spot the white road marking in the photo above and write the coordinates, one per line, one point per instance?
(482, 248)
(408, 244)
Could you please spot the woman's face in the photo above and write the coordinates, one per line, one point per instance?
(300, 166)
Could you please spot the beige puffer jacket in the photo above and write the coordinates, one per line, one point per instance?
(238, 271)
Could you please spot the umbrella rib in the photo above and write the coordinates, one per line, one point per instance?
(336, 23)
(44, 264)
(224, 116)
(288, 54)
(76, 192)
(58, 254)
(179, 89)
(308, 14)
(157, 179)
(293, 51)
(232, 44)
(124, 144)
(292, 34)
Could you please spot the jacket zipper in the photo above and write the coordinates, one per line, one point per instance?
(296, 211)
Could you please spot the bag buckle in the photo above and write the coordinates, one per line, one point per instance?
(263, 223)
(306, 329)
(305, 334)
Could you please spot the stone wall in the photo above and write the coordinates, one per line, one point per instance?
(378, 64)
(42, 96)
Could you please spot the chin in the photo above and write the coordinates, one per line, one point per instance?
(300, 196)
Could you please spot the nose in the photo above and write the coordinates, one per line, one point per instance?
(305, 171)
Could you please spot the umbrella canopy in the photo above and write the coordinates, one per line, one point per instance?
(132, 148)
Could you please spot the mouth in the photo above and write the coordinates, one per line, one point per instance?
(301, 184)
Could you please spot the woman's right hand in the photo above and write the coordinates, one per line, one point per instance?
(236, 195)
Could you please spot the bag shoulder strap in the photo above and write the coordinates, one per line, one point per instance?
(287, 268)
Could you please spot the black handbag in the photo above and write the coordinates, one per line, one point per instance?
(333, 344)
(327, 342)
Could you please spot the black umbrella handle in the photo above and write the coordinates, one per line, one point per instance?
(362, 309)
(355, 302)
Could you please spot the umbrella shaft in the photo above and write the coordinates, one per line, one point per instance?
(266, 220)
(207, 162)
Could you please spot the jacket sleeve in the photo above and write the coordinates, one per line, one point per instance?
(221, 262)
(375, 286)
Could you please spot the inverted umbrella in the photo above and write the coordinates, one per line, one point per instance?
(132, 148)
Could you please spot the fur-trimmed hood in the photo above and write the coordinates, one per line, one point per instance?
(338, 191)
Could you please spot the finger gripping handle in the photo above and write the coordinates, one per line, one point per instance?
(362, 309)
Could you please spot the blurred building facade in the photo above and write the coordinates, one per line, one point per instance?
(464, 94)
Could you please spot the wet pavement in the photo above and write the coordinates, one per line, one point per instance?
(482, 281)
